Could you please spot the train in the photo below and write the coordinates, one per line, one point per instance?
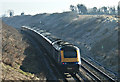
(65, 54)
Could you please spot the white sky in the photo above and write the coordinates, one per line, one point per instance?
(49, 6)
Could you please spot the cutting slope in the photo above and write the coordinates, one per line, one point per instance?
(96, 35)
(14, 47)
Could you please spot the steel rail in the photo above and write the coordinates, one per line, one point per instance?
(98, 70)
(91, 65)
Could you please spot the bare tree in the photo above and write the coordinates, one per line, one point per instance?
(94, 9)
(112, 10)
(118, 9)
(22, 13)
(72, 7)
(104, 9)
(11, 13)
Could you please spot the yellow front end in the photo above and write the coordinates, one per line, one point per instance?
(69, 59)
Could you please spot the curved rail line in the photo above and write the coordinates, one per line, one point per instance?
(86, 69)
(97, 70)
(57, 74)
(113, 74)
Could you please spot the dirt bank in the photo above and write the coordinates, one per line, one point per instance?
(96, 35)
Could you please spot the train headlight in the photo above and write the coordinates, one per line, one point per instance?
(76, 63)
(65, 63)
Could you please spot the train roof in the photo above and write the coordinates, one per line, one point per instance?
(53, 39)
(46, 34)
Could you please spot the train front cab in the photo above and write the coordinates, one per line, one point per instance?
(70, 60)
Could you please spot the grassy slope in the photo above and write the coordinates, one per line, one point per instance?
(13, 47)
(97, 36)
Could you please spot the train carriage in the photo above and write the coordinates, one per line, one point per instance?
(66, 55)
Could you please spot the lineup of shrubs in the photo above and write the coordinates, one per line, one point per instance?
(82, 9)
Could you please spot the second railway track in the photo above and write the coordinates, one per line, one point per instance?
(95, 72)
(92, 71)
(58, 74)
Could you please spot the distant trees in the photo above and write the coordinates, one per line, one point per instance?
(72, 7)
(22, 13)
(11, 13)
(82, 9)
(104, 9)
(94, 9)
(118, 8)
(112, 10)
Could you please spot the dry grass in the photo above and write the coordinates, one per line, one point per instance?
(13, 48)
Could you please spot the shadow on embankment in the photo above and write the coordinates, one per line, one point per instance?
(34, 61)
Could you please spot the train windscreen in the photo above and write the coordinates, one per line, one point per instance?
(70, 54)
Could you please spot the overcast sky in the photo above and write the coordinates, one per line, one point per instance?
(49, 6)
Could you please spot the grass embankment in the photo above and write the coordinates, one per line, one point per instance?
(13, 48)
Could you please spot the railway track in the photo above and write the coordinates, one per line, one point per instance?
(55, 74)
(59, 74)
(55, 69)
(92, 71)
